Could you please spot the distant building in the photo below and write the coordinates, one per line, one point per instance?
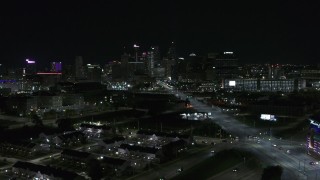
(313, 137)
(264, 85)
(25, 148)
(69, 138)
(275, 71)
(112, 142)
(78, 68)
(76, 156)
(93, 72)
(21, 105)
(118, 165)
(95, 130)
(31, 67)
(26, 170)
(146, 152)
(226, 65)
(56, 67)
(47, 100)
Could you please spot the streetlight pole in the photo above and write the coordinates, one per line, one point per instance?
(304, 165)
(299, 164)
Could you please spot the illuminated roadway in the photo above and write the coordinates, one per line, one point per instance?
(296, 163)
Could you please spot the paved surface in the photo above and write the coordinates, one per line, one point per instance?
(296, 164)
(169, 170)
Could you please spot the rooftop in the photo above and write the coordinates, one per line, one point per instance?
(46, 170)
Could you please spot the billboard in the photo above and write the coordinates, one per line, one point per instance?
(315, 125)
(232, 83)
(268, 117)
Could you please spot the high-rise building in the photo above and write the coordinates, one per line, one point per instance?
(31, 67)
(136, 52)
(170, 61)
(94, 72)
(226, 65)
(274, 71)
(150, 60)
(56, 67)
(172, 54)
(79, 69)
(156, 56)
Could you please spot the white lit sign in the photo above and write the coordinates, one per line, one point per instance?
(268, 117)
(227, 52)
(232, 83)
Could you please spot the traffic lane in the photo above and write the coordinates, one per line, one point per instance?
(219, 117)
(240, 171)
(170, 171)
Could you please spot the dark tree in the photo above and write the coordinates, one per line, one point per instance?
(120, 129)
(36, 120)
(65, 124)
(94, 169)
(272, 173)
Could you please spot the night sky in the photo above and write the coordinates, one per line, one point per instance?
(273, 31)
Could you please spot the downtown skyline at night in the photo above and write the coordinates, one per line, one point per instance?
(157, 90)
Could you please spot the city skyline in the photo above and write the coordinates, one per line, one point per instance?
(272, 32)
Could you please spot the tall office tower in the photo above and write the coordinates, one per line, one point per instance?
(79, 69)
(151, 59)
(156, 54)
(274, 71)
(56, 67)
(195, 68)
(124, 66)
(31, 67)
(136, 52)
(68, 73)
(172, 53)
(1, 70)
(94, 72)
(226, 66)
(171, 60)
(117, 71)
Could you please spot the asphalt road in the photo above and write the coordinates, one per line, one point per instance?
(296, 164)
(169, 170)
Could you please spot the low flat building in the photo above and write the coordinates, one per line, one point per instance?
(118, 165)
(76, 156)
(147, 152)
(69, 138)
(95, 130)
(112, 142)
(26, 170)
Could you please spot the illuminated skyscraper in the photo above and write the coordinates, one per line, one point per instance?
(93, 72)
(274, 71)
(226, 65)
(79, 69)
(136, 52)
(56, 67)
(31, 67)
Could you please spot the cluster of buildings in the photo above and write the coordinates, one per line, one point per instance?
(117, 154)
(137, 65)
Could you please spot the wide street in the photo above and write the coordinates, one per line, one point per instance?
(296, 164)
(169, 170)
